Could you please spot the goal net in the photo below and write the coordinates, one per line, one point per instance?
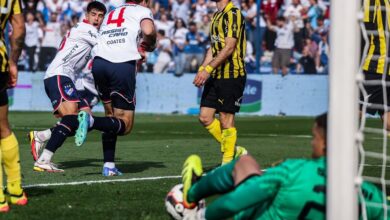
(358, 141)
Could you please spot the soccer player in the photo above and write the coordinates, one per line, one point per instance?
(85, 86)
(9, 148)
(295, 189)
(375, 64)
(114, 71)
(223, 76)
(73, 55)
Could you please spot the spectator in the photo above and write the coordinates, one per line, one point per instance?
(31, 6)
(314, 12)
(295, 9)
(251, 14)
(164, 24)
(312, 46)
(250, 61)
(321, 28)
(51, 40)
(306, 63)
(31, 41)
(164, 48)
(204, 25)
(200, 9)
(284, 43)
(180, 10)
(194, 48)
(323, 53)
(179, 33)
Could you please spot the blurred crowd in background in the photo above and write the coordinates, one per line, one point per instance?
(290, 36)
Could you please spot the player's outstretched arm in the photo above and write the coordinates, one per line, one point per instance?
(17, 41)
(149, 35)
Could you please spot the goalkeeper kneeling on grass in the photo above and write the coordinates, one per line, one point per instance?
(295, 189)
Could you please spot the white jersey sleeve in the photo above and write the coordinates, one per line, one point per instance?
(74, 51)
(120, 33)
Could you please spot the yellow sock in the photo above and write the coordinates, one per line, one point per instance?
(10, 155)
(229, 138)
(215, 130)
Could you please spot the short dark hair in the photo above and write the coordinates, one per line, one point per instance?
(96, 5)
(192, 23)
(322, 122)
(162, 32)
(281, 18)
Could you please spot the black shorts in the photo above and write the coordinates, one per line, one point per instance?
(4, 77)
(115, 82)
(224, 95)
(375, 93)
(88, 97)
(61, 88)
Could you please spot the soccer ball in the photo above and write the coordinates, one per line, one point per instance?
(174, 204)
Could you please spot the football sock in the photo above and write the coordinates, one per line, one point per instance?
(229, 138)
(217, 181)
(45, 134)
(45, 156)
(1, 179)
(215, 130)
(64, 129)
(10, 159)
(109, 143)
(110, 165)
(109, 125)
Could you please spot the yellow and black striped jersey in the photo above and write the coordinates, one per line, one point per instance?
(377, 25)
(7, 8)
(229, 23)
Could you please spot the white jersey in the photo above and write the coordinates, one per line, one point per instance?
(74, 52)
(84, 80)
(119, 33)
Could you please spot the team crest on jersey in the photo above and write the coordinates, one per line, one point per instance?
(69, 90)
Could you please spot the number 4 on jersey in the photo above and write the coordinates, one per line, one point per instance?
(117, 21)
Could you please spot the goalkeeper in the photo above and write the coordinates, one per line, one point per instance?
(295, 189)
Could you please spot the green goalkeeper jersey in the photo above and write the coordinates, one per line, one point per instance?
(294, 189)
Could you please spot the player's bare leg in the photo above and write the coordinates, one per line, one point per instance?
(388, 120)
(65, 128)
(212, 124)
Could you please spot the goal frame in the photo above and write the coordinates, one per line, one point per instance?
(342, 150)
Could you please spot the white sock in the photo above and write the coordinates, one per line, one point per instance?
(110, 165)
(45, 156)
(44, 135)
(91, 121)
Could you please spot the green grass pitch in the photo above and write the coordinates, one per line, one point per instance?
(157, 147)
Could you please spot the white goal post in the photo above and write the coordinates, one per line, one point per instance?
(342, 152)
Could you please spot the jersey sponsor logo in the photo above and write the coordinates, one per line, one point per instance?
(215, 39)
(221, 101)
(117, 32)
(70, 54)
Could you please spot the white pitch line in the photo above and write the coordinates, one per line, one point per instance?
(99, 181)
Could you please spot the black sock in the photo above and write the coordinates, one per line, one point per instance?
(64, 129)
(109, 125)
(109, 143)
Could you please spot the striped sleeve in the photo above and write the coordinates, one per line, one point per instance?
(234, 21)
(17, 7)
